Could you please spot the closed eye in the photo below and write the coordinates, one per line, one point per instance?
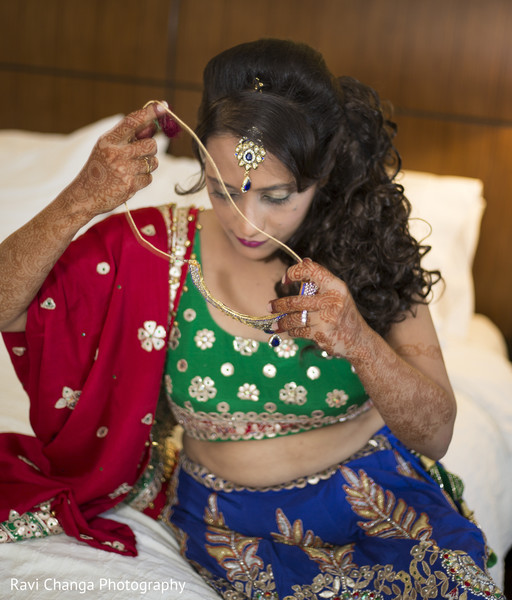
(276, 199)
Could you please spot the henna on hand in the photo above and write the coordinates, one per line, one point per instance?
(333, 320)
(115, 170)
(416, 402)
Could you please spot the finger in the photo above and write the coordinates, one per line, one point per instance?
(301, 332)
(126, 130)
(301, 320)
(307, 270)
(294, 303)
(145, 165)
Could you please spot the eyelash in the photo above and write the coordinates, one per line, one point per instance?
(269, 199)
(277, 201)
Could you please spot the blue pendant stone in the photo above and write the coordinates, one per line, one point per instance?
(274, 341)
(248, 157)
(246, 184)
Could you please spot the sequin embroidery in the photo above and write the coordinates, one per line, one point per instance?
(202, 389)
(204, 339)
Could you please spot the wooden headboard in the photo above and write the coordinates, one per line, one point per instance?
(446, 66)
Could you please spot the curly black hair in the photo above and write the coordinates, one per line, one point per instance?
(335, 133)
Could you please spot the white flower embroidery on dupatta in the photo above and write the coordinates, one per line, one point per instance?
(151, 336)
(69, 398)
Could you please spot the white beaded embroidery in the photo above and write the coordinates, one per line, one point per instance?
(286, 349)
(147, 419)
(182, 365)
(103, 268)
(269, 370)
(189, 314)
(227, 369)
(174, 337)
(124, 488)
(336, 398)
(248, 391)
(69, 398)
(149, 230)
(313, 372)
(204, 338)
(48, 304)
(246, 347)
(202, 389)
(102, 432)
(151, 336)
(293, 394)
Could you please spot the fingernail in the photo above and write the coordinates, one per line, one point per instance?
(269, 307)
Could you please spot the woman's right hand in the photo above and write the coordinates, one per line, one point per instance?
(120, 164)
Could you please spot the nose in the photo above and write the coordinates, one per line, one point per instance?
(253, 212)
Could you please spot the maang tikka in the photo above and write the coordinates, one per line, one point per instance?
(250, 155)
(250, 151)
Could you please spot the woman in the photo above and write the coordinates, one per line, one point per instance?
(301, 474)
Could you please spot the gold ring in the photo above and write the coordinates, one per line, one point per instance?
(148, 165)
(304, 318)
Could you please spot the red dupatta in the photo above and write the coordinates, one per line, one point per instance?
(91, 361)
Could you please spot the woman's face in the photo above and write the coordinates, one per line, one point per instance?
(272, 202)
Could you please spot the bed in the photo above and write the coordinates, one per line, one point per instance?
(447, 211)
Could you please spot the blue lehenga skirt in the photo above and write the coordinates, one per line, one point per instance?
(376, 526)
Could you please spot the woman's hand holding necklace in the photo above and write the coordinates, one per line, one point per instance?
(411, 390)
(120, 164)
(332, 320)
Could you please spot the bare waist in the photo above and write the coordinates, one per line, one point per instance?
(274, 461)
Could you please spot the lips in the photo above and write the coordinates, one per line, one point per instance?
(250, 243)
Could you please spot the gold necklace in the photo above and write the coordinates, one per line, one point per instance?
(263, 323)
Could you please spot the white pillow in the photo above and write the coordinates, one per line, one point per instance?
(446, 214)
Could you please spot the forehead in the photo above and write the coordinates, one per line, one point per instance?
(222, 148)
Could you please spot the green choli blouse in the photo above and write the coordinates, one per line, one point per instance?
(225, 387)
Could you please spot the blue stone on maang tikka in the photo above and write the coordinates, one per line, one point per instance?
(246, 184)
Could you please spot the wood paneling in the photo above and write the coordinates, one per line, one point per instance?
(446, 65)
(65, 63)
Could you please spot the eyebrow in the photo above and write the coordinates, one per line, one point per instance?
(271, 188)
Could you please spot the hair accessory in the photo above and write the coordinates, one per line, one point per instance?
(250, 155)
(258, 85)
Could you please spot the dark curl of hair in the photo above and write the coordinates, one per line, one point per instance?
(333, 133)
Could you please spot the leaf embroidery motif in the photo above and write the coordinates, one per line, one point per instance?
(234, 552)
(294, 534)
(385, 516)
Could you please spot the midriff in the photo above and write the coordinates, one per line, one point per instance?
(260, 463)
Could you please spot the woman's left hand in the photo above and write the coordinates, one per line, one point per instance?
(331, 319)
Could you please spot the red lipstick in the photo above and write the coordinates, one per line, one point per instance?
(249, 243)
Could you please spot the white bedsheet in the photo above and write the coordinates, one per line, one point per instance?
(33, 169)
